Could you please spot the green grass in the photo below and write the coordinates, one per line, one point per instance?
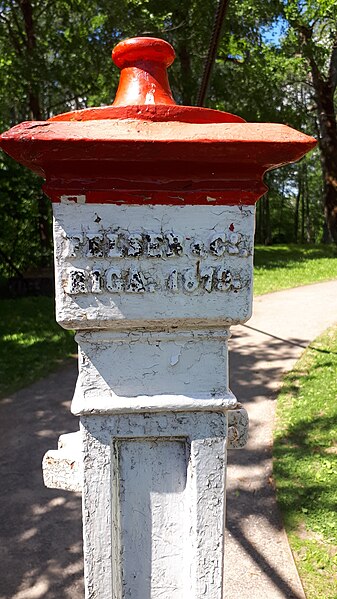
(32, 344)
(305, 465)
(285, 266)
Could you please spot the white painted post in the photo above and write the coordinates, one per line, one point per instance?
(152, 391)
(153, 226)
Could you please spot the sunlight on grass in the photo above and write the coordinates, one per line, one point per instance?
(32, 344)
(284, 266)
(305, 465)
(22, 339)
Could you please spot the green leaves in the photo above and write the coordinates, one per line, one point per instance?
(262, 70)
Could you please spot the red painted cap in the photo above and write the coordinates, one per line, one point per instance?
(134, 50)
(146, 149)
(144, 91)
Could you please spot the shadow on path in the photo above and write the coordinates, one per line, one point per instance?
(40, 529)
(257, 549)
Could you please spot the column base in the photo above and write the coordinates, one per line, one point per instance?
(154, 505)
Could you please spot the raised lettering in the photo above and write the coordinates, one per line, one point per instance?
(76, 282)
(114, 281)
(236, 284)
(224, 279)
(217, 245)
(232, 247)
(190, 280)
(73, 245)
(198, 248)
(206, 273)
(114, 250)
(135, 245)
(95, 247)
(96, 281)
(172, 282)
(154, 242)
(136, 282)
(175, 245)
(118, 244)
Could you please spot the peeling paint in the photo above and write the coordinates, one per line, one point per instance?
(162, 506)
(174, 359)
(151, 291)
(70, 199)
(101, 262)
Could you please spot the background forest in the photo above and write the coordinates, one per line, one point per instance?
(276, 61)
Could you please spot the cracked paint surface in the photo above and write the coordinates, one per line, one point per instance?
(152, 291)
(154, 505)
(141, 263)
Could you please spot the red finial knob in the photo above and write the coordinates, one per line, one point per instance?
(143, 62)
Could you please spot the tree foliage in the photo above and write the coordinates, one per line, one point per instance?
(277, 61)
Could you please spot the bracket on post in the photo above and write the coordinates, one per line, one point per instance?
(62, 467)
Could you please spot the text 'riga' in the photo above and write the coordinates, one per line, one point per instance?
(116, 280)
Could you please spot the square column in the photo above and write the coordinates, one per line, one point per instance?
(152, 291)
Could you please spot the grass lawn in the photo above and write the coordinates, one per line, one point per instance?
(285, 266)
(32, 344)
(305, 465)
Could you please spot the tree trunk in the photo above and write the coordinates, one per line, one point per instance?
(324, 95)
(26, 8)
(267, 232)
(308, 231)
(328, 148)
(33, 91)
(187, 89)
(302, 215)
(297, 205)
(280, 222)
(184, 57)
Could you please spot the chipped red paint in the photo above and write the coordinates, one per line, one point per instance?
(146, 149)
